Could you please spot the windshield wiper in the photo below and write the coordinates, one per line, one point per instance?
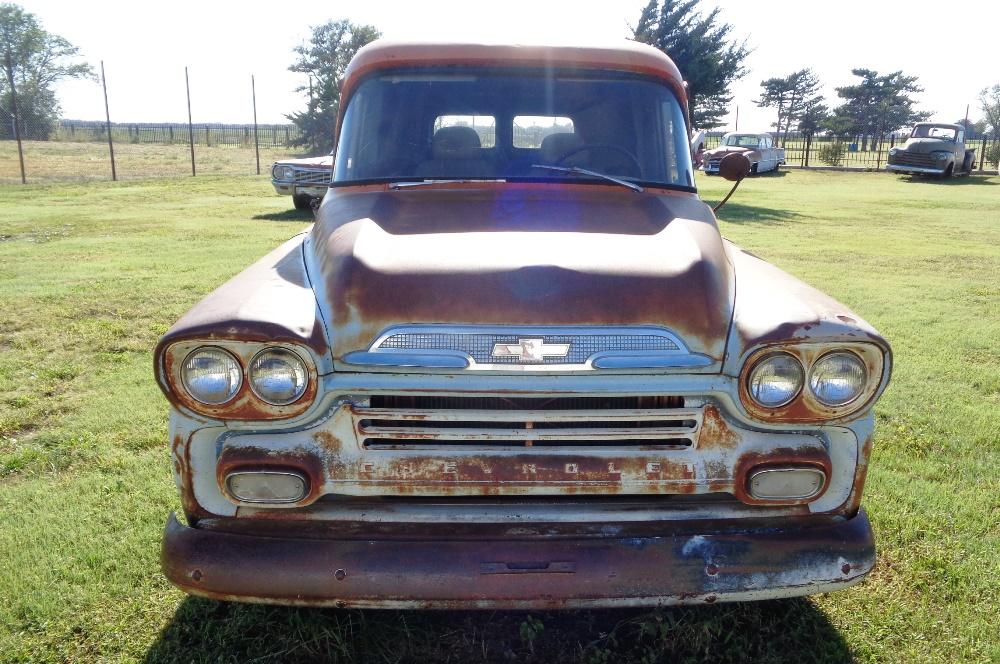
(576, 170)
(424, 183)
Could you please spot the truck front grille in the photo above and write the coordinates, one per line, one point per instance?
(416, 422)
(902, 158)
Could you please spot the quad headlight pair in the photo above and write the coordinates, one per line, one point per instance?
(214, 376)
(835, 379)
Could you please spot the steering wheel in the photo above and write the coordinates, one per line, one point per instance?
(637, 167)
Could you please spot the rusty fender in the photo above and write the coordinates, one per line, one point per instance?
(762, 563)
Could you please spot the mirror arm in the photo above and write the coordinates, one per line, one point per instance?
(731, 191)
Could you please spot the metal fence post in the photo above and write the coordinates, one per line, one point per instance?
(982, 153)
(256, 144)
(187, 84)
(107, 116)
(17, 117)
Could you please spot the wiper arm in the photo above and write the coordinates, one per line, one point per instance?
(424, 183)
(576, 170)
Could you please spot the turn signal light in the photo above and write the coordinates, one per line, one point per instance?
(266, 486)
(786, 483)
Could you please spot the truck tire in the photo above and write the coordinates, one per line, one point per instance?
(948, 172)
(753, 169)
(302, 201)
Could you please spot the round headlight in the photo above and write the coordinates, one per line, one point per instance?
(775, 380)
(893, 151)
(287, 173)
(941, 156)
(211, 375)
(278, 376)
(838, 378)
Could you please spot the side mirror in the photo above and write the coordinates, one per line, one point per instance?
(734, 167)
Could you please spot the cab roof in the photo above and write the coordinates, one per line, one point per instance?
(626, 56)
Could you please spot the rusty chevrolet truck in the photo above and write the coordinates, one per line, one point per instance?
(516, 368)
(933, 149)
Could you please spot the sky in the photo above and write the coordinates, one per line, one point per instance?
(145, 47)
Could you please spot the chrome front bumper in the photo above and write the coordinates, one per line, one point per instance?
(920, 170)
(291, 189)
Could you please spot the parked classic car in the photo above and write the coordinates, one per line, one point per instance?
(758, 148)
(305, 180)
(500, 376)
(933, 149)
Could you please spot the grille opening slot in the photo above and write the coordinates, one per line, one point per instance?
(528, 425)
(525, 403)
(413, 443)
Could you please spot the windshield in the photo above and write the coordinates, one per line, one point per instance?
(930, 131)
(743, 140)
(481, 124)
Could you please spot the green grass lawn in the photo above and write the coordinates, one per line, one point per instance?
(51, 161)
(91, 275)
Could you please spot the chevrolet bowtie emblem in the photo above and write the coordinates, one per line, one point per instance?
(530, 350)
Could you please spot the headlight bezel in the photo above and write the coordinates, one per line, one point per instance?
(245, 404)
(806, 407)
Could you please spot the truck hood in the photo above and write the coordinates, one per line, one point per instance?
(927, 145)
(325, 161)
(723, 150)
(526, 255)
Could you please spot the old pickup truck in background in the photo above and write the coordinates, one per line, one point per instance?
(933, 149)
(305, 180)
(501, 373)
(758, 148)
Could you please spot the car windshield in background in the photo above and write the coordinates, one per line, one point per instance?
(743, 141)
(941, 133)
(473, 124)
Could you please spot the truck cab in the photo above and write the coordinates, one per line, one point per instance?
(514, 364)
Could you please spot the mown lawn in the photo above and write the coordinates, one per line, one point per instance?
(54, 161)
(91, 275)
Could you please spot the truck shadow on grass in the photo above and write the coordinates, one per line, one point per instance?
(792, 630)
(287, 215)
(988, 180)
(738, 213)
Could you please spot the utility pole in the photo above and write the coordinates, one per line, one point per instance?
(187, 84)
(256, 144)
(107, 116)
(17, 118)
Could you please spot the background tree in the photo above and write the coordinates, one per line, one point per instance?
(791, 95)
(325, 58)
(989, 102)
(701, 48)
(877, 105)
(812, 120)
(34, 60)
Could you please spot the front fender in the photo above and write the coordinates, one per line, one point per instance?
(271, 301)
(772, 308)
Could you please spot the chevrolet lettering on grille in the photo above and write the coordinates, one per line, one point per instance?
(530, 350)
